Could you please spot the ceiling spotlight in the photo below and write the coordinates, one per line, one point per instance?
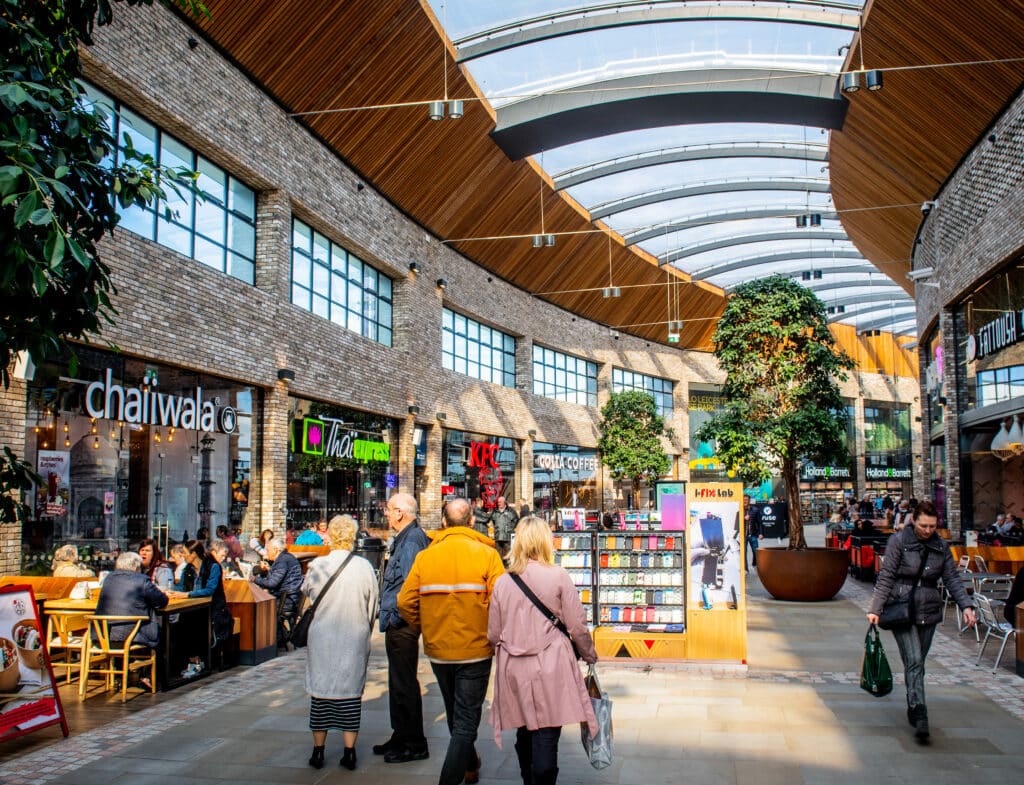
(801, 221)
(536, 241)
(673, 337)
(549, 240)
(816, 275)
(455, 108)
(414, 268)
(442, 284)
(873, 79)
(611, 291)
(805, 275)
(436, 110)
(851, 82)
(815, 219)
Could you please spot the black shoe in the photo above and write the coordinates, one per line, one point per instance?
(406, 755)
(348, 759)
(921, 730)
(316, 760)
(385, 748)
(473, 775)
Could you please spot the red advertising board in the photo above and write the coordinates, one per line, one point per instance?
(28, 693)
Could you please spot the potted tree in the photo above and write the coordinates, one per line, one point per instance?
(631, 434)
(782, 406)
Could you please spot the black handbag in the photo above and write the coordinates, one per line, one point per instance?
(558, 623)
(900, 612)
(300, 632)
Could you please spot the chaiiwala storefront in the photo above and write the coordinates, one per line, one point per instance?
(130, 448)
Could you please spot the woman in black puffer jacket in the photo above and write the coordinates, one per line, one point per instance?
(898, 579)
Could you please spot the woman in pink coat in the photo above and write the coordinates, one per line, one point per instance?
(538, 686)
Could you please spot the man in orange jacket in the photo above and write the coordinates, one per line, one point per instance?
(447, 594)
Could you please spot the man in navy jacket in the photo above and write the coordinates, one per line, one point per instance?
(285, 582)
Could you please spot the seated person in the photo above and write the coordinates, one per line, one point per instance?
(128, 592)
(285, 582)
(66, 564)
(235, 549)
(154, 565)
(220, 551)
(310, 536)
(863, 526)
(184, 572)
(259, 544)
(210, 583)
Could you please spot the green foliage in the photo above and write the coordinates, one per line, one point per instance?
(782, 397)
(631, 433)
(63, 177)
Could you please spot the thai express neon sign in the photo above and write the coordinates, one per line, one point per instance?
(329, 438)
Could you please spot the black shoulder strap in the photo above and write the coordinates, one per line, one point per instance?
(540, 605)
(326, 588)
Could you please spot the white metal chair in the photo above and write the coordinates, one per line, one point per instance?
(980, 565)
(964, 564)
(993, 626)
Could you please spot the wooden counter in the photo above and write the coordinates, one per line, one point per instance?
(256, 611)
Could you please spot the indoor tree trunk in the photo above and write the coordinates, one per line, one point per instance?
(796, 522)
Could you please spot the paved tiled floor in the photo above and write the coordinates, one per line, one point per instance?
(795, 716)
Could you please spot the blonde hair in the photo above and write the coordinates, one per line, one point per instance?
(341, 532)
(66, 553)
(532, 543)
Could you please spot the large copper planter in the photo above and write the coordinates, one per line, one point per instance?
(811, 575)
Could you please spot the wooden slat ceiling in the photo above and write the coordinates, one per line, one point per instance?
(448, 175)
(900, 144)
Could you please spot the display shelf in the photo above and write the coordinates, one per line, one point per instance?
(574, 551)
(641, 581)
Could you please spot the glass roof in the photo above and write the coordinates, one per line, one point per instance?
(723, 201)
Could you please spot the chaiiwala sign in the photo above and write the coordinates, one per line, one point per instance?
(105, 400)
(332, 438)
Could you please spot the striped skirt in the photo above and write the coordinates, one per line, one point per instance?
(342, 713)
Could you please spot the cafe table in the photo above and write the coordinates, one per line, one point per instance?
(184, 633)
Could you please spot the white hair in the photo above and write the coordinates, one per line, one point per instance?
(275, 542)
(129, 561)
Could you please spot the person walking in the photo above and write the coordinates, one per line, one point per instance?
(447, 594)
(915, 558)
(401, 639)
(754, 532)
(339, 640)
(538, 687)
(504, 520)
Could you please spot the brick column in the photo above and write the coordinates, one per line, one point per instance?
(525, 473)
(923, 472)
(954, 383)
(860, 444)
(406, 457)
(13, 410)
(430, 495)
(274, 452)
(273, 244)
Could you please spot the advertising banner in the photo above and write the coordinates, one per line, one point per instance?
(714, 545)
(28, 694)
(55, 468)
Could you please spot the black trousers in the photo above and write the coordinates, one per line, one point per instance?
(402, 646)
(538, 755)
(287, 610)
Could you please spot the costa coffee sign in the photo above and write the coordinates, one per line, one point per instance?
(581, 464)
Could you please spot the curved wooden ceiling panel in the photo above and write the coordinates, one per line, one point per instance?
(899, 145)
(449, 175)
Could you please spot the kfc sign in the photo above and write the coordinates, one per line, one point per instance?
(483, 455)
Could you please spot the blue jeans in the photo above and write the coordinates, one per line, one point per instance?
(753, 543)
(463, 687)
(914, 641)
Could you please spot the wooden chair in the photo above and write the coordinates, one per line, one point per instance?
(109, 658)
(65, 638)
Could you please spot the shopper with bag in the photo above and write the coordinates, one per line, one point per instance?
(342, 588)
(538, 686)
(908, 601)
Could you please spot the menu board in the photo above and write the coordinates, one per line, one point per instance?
(28, 694)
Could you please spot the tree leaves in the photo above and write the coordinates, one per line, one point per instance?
(631, 433)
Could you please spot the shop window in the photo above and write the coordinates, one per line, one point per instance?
(661, 389)
(564, 377)
(474, 349)
(218, 230)
(999, 384)
(335, 284)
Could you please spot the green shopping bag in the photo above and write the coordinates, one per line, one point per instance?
(875, 674)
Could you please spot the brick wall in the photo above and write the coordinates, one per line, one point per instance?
(974, 229)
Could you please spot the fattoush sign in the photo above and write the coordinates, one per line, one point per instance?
(105, 400)
(997, 334)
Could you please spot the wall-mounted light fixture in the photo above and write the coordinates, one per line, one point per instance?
(442, 284)
(531, 433)
(192, 42)
(441, 416)
(286, 375)
(414, 409)
(414, 268)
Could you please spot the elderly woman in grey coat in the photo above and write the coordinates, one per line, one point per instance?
(339, 640)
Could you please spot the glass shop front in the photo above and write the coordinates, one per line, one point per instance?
(130, 448)
(478, 465)
(339, 463)
(565, 475)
